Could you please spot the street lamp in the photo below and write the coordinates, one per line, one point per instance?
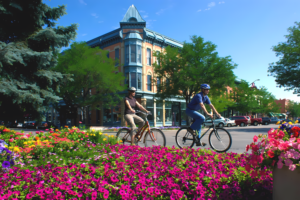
(254, 81)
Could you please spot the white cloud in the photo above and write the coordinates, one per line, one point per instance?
(116, 27)
(142, 11)
(212, 4)
(84, 34)
(95, 15)
(82, 2)
(161, 11)
(199, 10)
(221, 2)
(145, 16)
(100, 21)
(207, 9)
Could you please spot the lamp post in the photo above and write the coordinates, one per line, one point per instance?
(254, 81)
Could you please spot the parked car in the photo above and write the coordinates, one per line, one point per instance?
(230, 122)
(254, 121)
(240, 120)
(218, 122)
(274, 120)
(46, 125)
(285, 120)
(266, 121)
(30, 124)
(20, 125)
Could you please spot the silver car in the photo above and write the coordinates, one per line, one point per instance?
(274, 120)
(218, 122)
(230, 122)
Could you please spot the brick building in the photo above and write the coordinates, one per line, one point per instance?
(133, 44)
(283, 105)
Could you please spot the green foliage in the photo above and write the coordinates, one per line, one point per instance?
(184, 70)
(293, 108)
(28, 52)
(286, 70)
(253, 100)
(91, 69)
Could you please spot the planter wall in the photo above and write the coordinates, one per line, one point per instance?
(286, 184)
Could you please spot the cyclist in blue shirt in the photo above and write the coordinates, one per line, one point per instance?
(196, 104)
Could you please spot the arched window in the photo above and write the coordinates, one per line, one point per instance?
(132, 19)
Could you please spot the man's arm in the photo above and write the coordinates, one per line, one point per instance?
(141, 107)
(128, 105)
(214, 109)
(204, 109)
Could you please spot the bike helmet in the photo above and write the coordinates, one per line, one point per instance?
(132, 89)
(205, 86)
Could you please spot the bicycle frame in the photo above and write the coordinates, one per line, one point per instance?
(141, 131)
(214, 128)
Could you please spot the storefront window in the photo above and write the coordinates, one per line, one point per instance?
(183, 114)
(149, 107)
(117, 116)
(159, 113)
(168, 114)
(107, 119)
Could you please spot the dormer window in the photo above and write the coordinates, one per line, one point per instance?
(132, 19)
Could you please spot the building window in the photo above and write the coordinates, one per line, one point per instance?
(139, 81)
(139, 54)
(127, 53)
(117, 56)
(149, 77)
(157, 61)
(133, 79)
(133, 52)
(127, 79)
(148, 56)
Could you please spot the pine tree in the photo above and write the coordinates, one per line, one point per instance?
(28, 52)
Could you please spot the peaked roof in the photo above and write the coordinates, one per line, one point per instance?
(132, 15)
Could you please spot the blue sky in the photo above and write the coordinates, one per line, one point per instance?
(246, 30)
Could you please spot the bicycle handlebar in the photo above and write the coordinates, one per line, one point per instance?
(138, 111)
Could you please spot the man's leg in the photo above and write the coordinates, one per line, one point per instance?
(199, 119)
(139, 121)
(130, 120)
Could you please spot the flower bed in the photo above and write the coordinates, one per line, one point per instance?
(73, 164)
(131, 172)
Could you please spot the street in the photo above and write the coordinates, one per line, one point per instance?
(241, 136)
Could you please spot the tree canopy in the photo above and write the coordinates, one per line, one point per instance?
(182, 71)
(92, 70)
(287, 70)
(28, 52)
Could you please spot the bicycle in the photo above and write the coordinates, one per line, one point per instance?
(219, 139)
(153, 136)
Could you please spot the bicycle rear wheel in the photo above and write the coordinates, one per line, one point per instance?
(184, 138)
(220, 140)
(123, 134)
(155, 138)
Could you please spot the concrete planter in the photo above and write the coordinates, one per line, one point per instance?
(286, 184)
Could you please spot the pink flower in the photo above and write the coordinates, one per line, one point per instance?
(279, 164)
(11, 140)
(37, 132)
(288, 162)
(280, 134)
(80, 122)
(46, 129)
(292, 167)
(255, 138)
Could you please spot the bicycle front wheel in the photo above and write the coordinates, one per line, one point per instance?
(220, 140)
(124, 136)
(184, 138)
(155, 138)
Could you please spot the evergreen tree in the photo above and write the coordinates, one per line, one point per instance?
(28, 52)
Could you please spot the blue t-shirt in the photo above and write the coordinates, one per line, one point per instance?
(197, 99)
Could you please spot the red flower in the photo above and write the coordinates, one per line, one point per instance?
(270, 154)
(255, 138)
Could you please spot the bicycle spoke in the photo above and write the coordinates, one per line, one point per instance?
(220, 140)
(184, 138)
(155, 138)
(124, 135)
